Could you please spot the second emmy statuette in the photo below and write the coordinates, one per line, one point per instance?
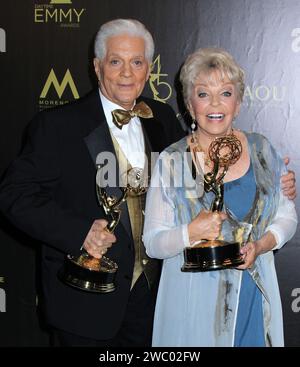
(86, 272)
(223, 252)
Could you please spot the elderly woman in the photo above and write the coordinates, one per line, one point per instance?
(233, 306)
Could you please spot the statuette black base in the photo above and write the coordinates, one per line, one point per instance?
(101, 280)
(211, 255)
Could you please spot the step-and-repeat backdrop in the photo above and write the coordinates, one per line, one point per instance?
(45, 61)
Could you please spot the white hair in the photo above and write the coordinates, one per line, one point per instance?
(118, 27)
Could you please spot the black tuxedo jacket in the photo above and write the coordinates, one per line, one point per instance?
(49, 193)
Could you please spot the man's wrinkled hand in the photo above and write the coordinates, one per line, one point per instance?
(98, 239)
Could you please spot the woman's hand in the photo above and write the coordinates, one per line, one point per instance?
(249, 254)
(207, 225)
(253, 249)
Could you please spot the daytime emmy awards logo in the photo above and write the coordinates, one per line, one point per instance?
(2, 40)
(52, 84)
(59, 12)
(2, 297)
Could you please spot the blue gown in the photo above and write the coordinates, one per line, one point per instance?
(200, 309)
(239, 195)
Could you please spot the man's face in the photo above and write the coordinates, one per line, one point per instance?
(124, 70)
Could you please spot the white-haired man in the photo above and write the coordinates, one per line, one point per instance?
(49, 192)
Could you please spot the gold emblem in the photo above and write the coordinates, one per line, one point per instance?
(162, 91)
(59, 87)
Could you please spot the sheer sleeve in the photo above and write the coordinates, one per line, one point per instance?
(284, 224)
(162, 237)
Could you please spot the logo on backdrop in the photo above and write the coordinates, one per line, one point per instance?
(296, 42)
(2, 296)
(264, 93)
(61, 2)
(58, 13)
(53, 90)
(2, 40)
(161, 90)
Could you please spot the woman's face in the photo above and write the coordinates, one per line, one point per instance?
(214, 103)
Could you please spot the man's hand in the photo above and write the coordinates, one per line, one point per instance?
(288, 182)
(98, 240)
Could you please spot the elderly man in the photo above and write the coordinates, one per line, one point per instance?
(49, 192)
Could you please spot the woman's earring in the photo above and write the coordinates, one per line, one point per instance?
(193, 128)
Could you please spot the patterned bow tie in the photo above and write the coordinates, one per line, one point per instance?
(122, 117)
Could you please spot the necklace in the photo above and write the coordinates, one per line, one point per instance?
(209, 153)
(198, 149)
(223, 152)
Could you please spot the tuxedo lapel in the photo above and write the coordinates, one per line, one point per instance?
(154, 131)
(98, 141)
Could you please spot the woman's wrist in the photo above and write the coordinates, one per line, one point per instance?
(266, 243)
(191, 233)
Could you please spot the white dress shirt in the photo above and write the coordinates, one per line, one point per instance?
(130, 137)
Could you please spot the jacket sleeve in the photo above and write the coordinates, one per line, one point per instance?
(27, 192)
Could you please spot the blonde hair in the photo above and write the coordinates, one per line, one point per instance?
(207, 60)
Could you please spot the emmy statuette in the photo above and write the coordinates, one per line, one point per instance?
(223, 252)
(86, 272)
